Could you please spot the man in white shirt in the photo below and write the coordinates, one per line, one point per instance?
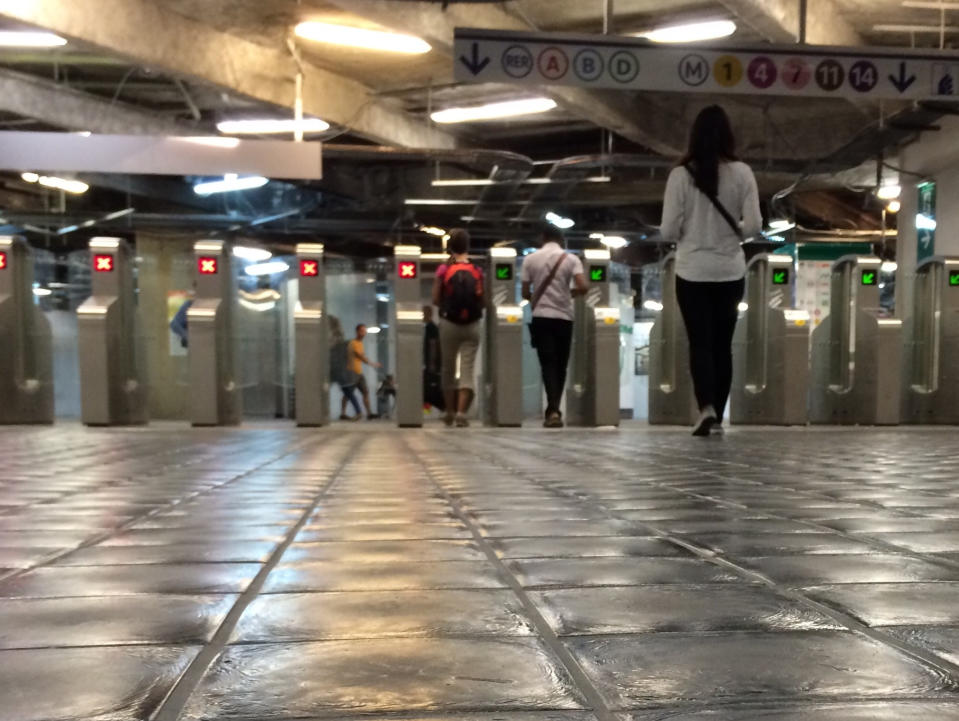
(552, 306)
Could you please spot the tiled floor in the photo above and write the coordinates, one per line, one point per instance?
(439, 575)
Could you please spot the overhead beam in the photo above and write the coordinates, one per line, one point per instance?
(433, 23)
(778, 20)
(150, 35)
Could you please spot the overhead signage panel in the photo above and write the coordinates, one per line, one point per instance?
(623, 63)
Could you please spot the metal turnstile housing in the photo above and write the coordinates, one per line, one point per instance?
(931, 350)
(26, 355)
(112, 386)
(671, 397)
(770, 349)
(503, 347)
(312, 371)
(409, 337)
(856, 354)
(215, 394)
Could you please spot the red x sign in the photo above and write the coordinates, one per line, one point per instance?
(207, 266)
(3, 261)
(408, 269)
(309, 268)
(103, 263)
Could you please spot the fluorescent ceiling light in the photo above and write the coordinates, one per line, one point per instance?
(373, 330)
(614, 241)
(483, 182)
(432, 230)
(42, 292)
(559, 221)
(30, 39)
(781, 224)
(596, 236)
(889, 192)
(494, 111)
(276, 266)
(691, 32)
(889, 266)
(894, 206)
(76, 187)
(437, 201)
(379, 40)
(271, 126)
(230, 183)
(255, 255)
(653, 305)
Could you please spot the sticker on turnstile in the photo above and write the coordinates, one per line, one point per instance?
(781, 276)
(309, 268)
(504, 271)
(869, 277)
(954, 278)
(407, 269)
(3, 261)
(103, 263)
(597, 274)
(207, 266)
(512, 319)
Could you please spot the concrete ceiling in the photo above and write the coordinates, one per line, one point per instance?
(178, 66)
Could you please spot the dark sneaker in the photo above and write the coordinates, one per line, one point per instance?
(553, 420)
(705, 426)
(462, 422)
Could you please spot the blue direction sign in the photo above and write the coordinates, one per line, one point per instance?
(603, 61)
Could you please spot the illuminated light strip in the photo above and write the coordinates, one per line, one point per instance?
(365, 38)
(77, 187)
(484, 182)
(494, 111)
(265, 126)
(230, 183)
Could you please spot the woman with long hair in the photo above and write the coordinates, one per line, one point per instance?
(711, 205)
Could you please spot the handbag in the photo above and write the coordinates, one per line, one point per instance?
(538, 295)
(727, 216)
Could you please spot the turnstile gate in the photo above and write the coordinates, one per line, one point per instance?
(592, 398)
(770, 349)
(856, 353)
(671, 397)
(215, 394)
(409, 337)
(503, 347)
(312, 370)
(931, 351)
(26, 354)
(112, 387)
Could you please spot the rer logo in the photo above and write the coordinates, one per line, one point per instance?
(309, 268)
(407, 269)
(954, 278)
(597, 273)
(207, 266)
(3, 261)
(103, 263)
(504, 271)
(869, 277)
(781, 277)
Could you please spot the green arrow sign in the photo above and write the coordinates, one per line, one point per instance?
(504, 271)
(954, 278)
(869, 277)
(597, 274)
(780, 277)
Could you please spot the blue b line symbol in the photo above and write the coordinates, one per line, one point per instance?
(588, 65)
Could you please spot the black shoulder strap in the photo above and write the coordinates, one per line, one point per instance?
(727, 216)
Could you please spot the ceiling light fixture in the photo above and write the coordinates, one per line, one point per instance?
(781, 224)
(614, 241)
(894, 206)
(30, 39)
(653, 305)
(231, 182)
(432, 230)
(276, 266)
(41, 292)
(254, 255)
(691, 32)
(379, 40)
(272, 126)
(494, 111)
(889, 266)
(76, 187)
(559, 221)
(483, 182)
(889, 192)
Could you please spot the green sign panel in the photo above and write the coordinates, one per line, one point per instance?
(954, 278)
(504, 271)
(781, 277)
(870, 277)
(597, 273)
(926, 221)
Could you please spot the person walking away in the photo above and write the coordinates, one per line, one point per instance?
(550, 278)
(340, 373)
(459, 293)
(711, 204)
(356, 357)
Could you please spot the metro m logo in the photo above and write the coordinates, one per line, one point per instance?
(694, 70)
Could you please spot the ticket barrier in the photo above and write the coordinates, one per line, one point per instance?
(408, 322)
(592, 398)
(503, 344)
(671, 398)
(26, 354)
(856, 354)
(311, 375)
(113, 391)
(770, 349)
(931, 351)
(215, 394)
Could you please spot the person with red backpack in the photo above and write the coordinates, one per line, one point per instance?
(458, 290)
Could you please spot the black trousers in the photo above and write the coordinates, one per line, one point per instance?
(553, 338)
(709, 312)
